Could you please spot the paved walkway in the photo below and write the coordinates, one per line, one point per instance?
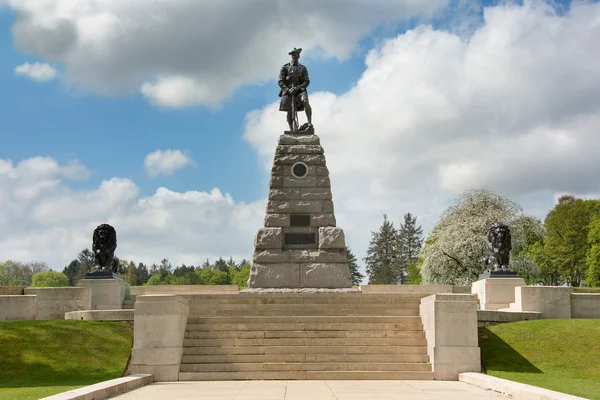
(312, 390)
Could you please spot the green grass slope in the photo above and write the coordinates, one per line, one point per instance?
(42, 358)
(560, 354)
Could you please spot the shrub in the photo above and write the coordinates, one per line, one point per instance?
(11, 290)
(49, 279)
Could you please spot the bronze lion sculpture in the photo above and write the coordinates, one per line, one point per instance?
(104, 246)
(499, 244)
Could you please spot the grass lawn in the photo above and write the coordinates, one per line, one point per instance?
(42, 358)
(559, 354)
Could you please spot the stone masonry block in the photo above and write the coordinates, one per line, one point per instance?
(328, 206)
(323, 182)
(319, 256)
(299, 149)
(277, 170)
(294, 206)
(277, 220)
(310, 171)
(315, 194)
(271, 256)
(319, 220)
(275, 182)
(289, 139)
(284, 194)
(322, 170)
(330, 275)
(292, 182)
(283, 159)
(268, 238)
(274, 276)
(331, 238)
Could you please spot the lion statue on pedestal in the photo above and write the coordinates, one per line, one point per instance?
(499, 244)
(104, 246)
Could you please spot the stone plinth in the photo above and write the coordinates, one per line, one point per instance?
(159, 329)
(300, 245)
(53, 303)
(496, 293)
(450, 324)
(107, 294)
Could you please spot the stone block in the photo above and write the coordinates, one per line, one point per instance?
(276, 182)
(319, 256)
(323, 182)
(53, 303)
(271, 256)
(294, 206)
(585, 305)
(309, 159)
(328, 207)
(293, 140)
(160, 373)
(331, 238)
(322, 170)
(319, 220)
(496, 293)
(552, 301)
(277, 220)
(268, 238)
(299, 149)
(107, 294)
(277, 170)
(292, 182)
(315, 194)
(274, 276)
(157, 356)
(330, 275)
(285, 194)
(18, 308)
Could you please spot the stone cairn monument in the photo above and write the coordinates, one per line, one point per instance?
(299, 245)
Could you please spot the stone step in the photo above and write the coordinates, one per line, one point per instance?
(405, 341)
(314, 326)
(335, 358)
(291, 366)
(330, 311)
(316, 298)
(309, 319)
(262, 334)
(197, 305)
(252, 350)
(306, 375)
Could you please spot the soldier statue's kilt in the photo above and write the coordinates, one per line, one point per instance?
(286, 101)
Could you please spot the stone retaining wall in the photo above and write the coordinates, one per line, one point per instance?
(585, 305)
(14, 308)
(184, 289)
(53, 303)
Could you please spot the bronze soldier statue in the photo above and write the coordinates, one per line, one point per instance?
(293, 81)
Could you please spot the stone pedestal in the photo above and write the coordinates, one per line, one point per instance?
(299, 245)
(450, 325)
(107, 294)
(496, 293)
(159, 329)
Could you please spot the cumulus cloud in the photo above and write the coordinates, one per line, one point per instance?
(41, 218)
(166, 162)
(181, 53)
(37, 71)
(513, 107)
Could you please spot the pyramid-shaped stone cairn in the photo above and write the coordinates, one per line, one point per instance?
(299, 245)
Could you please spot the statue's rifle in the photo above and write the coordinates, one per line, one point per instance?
(294, 112)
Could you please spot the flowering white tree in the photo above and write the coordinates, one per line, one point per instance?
(453, 252)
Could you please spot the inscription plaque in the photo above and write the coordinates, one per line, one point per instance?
(299, 220)
(300, 238)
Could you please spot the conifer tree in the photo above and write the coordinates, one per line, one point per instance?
(410, 240)
(382, 260)
(355, 274)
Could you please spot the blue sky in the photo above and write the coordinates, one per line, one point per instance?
(72, 118)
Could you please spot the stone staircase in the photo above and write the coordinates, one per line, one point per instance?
(304, 336)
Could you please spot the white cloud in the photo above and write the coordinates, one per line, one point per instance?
(41, 218)
(37, 71)
(181, 53)
(513, 107)
(166, 162)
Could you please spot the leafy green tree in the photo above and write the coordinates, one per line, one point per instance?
(241, 277)
(525, 259)
(414, 273)
(165, 268)
(453, 251)
(355, 274)
(15, 273)
(382, 260)
(410, 241)
(131, 274)
(142, 274)
(154, 280)
(593, 257)
(566, 244)
(49, 279)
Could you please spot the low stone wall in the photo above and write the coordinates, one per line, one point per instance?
(492, 317)
(53, 303)
(585, 305)
(551, 301)
(100, 315)
(184, 289)
(407, 289)
(14, 308)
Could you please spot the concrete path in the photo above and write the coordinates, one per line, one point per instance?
(312, 390)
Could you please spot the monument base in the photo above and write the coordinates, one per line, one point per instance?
(103, 275)
(107, 293)
(496, 292)
(295, 276)
(498, 274)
